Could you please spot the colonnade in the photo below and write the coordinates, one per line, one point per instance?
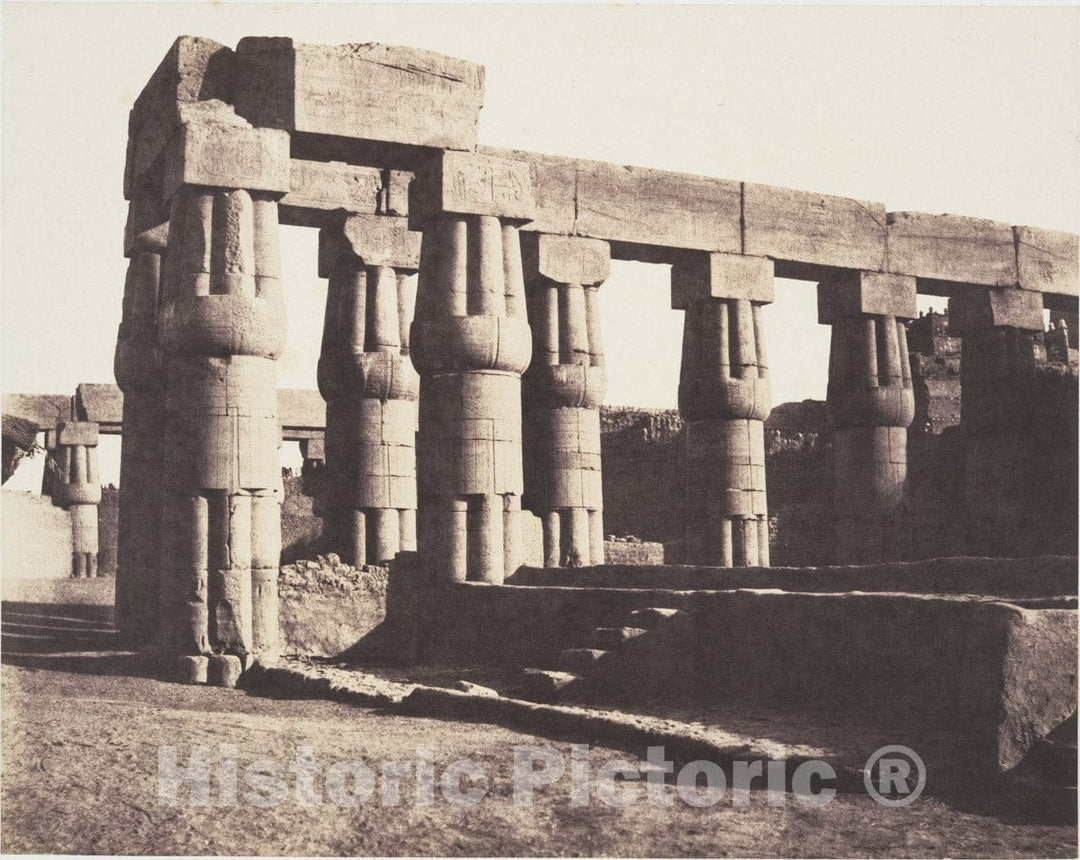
(462, 367)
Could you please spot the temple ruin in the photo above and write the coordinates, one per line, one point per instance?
(462, 362)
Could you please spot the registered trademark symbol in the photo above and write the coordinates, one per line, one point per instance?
(896, 765)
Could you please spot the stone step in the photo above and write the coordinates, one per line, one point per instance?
(614, 637)
(580, 659)
(544, 685)
(652, 616)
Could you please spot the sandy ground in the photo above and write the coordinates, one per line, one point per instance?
(80, 766)
(82, 734)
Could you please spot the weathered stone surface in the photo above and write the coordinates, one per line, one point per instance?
(223, 670)
(804, 231)
(367, 91)
(227, 156)
(102, 404)
(721, 276)
(633, 552)
(975, 309)
(566, 259)
(77, 433)
(300, 409)
(468, 183)
(317, 190)
(147, 224)
(952, 248)
(44, 410)
(375, 240)
(194, 69)
(641, 209)
(1046, 260)
(186, 669)
(848, 294)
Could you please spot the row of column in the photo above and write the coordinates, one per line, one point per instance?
(426, 415)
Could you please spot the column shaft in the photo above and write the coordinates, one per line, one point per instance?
(370, 389)
(222, 332)
(470, 342)
(871, 403)
(563, 390)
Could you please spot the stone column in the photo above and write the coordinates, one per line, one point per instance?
(222, 330)
(724, 399)
(77, 488)
(470, 343)
(871, 403)
(370, 386)
(997, 376)
(139, 372)
(563, 390)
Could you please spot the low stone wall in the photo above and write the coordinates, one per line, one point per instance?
(989, 675)
(1047, 576)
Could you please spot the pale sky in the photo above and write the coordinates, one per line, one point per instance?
(967, 110)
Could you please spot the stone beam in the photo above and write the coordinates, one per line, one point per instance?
(1046, 261)
(302, 413)
(44, 410)
(806, 232)
(952, 248)
(101, 404)
(640, 210)
(319, 191)
(365, 91)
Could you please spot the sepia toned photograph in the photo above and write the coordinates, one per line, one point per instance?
(513, 430)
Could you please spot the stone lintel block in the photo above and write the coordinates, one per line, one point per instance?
(1046, 260)
(846, 294)
(194, 69)
(952, 248)
(102, 404)
(375, 240)
(975, 309)
(804, 227)
(301, 409)
(472, 183)
(227, 156)
(721, 276)
(640, 208)
(77, 433)
(567, 259)
(44, 410)
(367, 91)
(319, 190)
(147, 225)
